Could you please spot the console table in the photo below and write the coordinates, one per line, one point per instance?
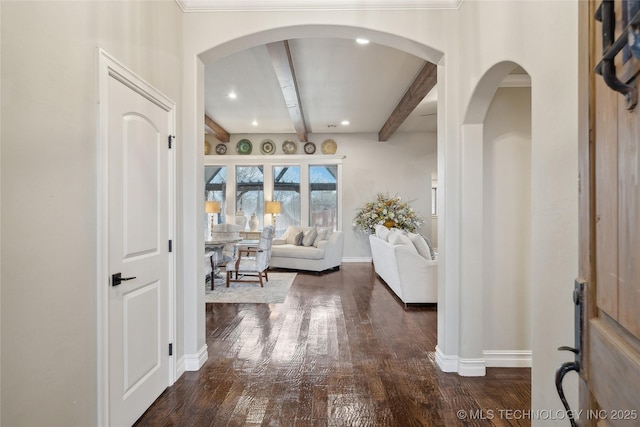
(250, 235)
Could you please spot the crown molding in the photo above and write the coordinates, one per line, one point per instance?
(293, 5)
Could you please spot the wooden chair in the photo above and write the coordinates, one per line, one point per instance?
(252, 261)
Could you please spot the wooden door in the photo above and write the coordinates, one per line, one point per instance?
(139, 207)
(610, 239)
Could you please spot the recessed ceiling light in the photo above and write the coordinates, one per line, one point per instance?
(361, 40)
(232, 95)
(254, 123)
(345, 123)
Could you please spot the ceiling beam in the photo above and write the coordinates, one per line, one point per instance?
(219, 132)
(421, 86)
(283, 66)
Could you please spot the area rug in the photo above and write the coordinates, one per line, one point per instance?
(274, 291)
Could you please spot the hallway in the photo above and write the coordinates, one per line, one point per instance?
(341, 351)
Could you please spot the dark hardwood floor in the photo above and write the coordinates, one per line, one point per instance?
(340, 351)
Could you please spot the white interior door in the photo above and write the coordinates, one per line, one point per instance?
(139, 232)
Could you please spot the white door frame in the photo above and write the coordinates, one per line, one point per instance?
(108, 67)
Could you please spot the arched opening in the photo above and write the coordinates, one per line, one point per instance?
(194, 321)
(496, 222)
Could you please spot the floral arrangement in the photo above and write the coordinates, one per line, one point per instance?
(389, 211)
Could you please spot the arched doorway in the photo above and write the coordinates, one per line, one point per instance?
(496, 223)
(194, 320)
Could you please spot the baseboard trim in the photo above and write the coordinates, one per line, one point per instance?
(472, 367)
(445, 362)
(193, 362)
(357, 259)
(179, 367)
(507, 358)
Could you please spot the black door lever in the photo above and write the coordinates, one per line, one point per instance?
(117, 278)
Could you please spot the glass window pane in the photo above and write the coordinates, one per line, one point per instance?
(323, 183)
(215, 188)
(250, 191)
(286, 190)
(434, 198)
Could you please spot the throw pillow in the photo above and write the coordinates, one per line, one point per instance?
(398, 238)
(322, 235)
(299, 237)
(329, 231)
(382, 232)
(309, 237)
(431, 251)
(421, 245)
(290, 235)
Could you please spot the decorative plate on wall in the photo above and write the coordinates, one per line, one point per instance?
(309, 148)
(244, 146)
(329, 146)
(221, 149)
(267, 147)
(289, 147)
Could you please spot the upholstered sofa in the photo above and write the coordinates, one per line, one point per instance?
(307, 248)
(407, 264)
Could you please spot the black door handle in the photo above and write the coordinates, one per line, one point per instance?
(560, 373)
(117, 278)
(567, 367)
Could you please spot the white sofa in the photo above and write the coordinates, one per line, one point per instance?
(410, 273)
(315, 253)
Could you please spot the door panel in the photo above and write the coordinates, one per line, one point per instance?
(138, 248)
(610, 360)
(142, 177)
(142, 353)
(607, 201)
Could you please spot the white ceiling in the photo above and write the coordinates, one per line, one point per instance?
(338, 79)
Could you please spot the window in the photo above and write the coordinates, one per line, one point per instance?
(215, 187)
(286, 190)
(434, 200)
(323, 195)
(250, 191)
(307, 187)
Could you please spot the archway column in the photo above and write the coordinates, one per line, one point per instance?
(471, 361)
(192, 162)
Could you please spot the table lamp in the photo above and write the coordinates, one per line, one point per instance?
(212, 208)
(273, 208)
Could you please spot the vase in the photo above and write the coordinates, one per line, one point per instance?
(253, 223)
(241, 220)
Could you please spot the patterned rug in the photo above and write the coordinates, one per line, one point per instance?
(274, 291)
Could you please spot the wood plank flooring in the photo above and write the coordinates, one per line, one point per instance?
(340, 351)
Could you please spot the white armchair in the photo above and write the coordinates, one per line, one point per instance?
(254, 263)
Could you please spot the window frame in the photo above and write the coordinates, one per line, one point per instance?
(268, 162)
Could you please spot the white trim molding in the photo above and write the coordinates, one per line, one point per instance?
(472, 367)
(516, 80)
(293, 5)
(446, 363)
(193, 362)
(507, 358)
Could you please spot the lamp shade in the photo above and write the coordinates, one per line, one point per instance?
(273, 207)
(212, 207)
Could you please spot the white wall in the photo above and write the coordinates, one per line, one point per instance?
(401, 166)
(48, 174)
(507, 229)
(515, 31)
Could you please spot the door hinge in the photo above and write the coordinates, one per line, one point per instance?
(170, 137)
(170, 349)
(170, 245)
